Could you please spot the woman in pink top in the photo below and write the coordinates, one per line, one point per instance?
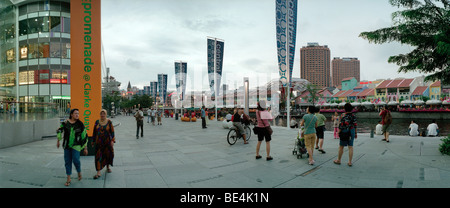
(263, 131)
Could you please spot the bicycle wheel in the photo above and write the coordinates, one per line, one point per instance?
(248, 131)
(232, 137)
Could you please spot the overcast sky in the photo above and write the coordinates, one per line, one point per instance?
(143, 38)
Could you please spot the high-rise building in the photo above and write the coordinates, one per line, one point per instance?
(162, 85)
(35, 51)
(345, 68)
(315, 64)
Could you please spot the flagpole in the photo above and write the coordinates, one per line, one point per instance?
(288, 101)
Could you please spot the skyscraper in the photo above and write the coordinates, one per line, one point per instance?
(315, 64)
(162, 85)
(345, 68)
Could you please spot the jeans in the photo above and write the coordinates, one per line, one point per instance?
(140, 124)
(72, 156)
(203, 122)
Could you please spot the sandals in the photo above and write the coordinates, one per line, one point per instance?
(269, 158)
(97, 176)
(68, 183)
(336, 162)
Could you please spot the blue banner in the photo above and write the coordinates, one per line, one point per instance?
(180, 78)
(162, 84)
(286, 25)
(219, 51)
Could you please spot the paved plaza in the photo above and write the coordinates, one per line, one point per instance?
(183, 155)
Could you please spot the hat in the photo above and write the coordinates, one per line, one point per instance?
(262, 103)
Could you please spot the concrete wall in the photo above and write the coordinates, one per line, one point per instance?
(17, 133)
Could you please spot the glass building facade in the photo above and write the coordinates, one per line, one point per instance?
(36, 67)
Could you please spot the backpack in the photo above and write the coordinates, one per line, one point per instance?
(388, 118)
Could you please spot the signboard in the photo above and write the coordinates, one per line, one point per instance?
(85, 73)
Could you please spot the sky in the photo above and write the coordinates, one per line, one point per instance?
(143, 38)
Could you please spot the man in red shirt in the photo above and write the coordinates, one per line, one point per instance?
(386, 120)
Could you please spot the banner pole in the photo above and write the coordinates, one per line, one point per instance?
(288, 68)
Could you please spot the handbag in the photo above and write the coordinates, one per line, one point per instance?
(269, 130)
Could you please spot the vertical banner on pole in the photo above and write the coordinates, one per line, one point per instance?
(180, 78)
(286, 26)
(219, 50)
(162, 84)
(86, 65)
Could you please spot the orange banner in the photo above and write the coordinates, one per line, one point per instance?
(86, 92)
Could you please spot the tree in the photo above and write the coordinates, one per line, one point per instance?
(424, 25)
(313, 93)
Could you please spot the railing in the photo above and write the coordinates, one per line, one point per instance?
(30, 111)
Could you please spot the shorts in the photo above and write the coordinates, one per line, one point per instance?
(385, 127)
(239, 127)
(159, 119)
(319, 131)
(310, 140)
(350, 141)
(263, 133)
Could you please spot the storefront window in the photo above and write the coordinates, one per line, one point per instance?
(44, 50)
(23, 52)
(55, 49)
(66, 25)
(10, 56)
(65, 51)
(33, 50)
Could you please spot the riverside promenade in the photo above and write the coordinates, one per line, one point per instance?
(183, 155)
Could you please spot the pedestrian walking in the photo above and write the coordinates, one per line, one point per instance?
(139, 115)
(104, 139)
(336, 120)
(347, 134)
(153, 116)
(74, 136)
(320, 130)
(203, 118)
(310, 123)
(149, 114)
(386, 120)
(159, 115)
(263, 129)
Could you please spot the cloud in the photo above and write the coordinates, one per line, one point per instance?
(133, 63)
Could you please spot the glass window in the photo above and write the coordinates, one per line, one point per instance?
(23, 10)
(65, 7)
(55, 77)
(55, 24)
(33, 25)
(10, 56)
(55, 49)
(33, 7)
(66, 25)
(23, 78)
(55, 6)
(44, 50)
(45, 24)
(23, 27)
(65, 76)
(65, 48)
(33, 50)
(23, 52)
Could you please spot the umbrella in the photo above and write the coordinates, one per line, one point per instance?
(433, 102)
(356, 104)
(342, 104)
(393, 103)
(367, 103)
(446, 102)
(381, 103)
(406, 102)
(418, 102)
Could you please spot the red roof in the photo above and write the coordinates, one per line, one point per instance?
(348, 78)
(354, 93)
(367, 92)
(396, 83)
(338, 94)
(419, 90)
(436, 84)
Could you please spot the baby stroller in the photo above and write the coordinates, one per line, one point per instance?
(299, 146)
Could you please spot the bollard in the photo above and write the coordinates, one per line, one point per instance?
(371, 133)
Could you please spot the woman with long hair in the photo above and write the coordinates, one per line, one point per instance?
(74, 136)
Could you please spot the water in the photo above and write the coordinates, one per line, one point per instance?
(398, 126)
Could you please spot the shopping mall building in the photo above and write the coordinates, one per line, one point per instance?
(35, 52)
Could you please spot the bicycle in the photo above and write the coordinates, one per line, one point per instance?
(234, 134)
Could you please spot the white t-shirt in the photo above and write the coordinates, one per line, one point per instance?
(432, 129)
(149, 112)
(414, 129)
(153, 112)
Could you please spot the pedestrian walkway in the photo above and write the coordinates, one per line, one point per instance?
(180, 154)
